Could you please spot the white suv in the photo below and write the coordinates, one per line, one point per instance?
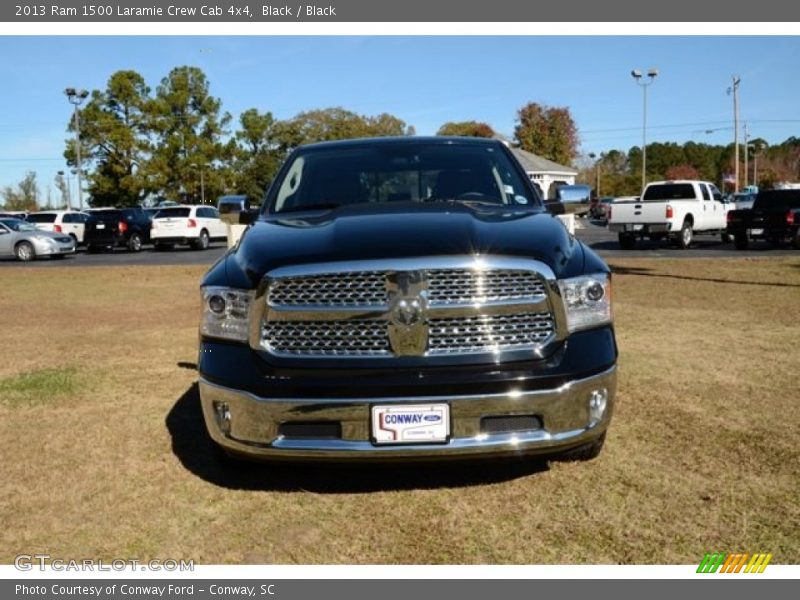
(193, 225)
(70, 222)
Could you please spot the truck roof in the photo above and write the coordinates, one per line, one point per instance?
(405, 139)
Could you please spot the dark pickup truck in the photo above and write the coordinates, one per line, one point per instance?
(406, 298)
(775, 217)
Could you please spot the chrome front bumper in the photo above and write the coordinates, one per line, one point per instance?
(251, 427)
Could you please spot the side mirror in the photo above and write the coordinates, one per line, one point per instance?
(248, 216)
(554, 207)
(231, 209)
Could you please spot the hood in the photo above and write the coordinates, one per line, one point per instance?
(405, 230)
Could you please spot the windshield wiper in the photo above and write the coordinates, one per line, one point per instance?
(301, 207)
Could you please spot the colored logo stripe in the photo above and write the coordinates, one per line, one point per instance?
(734, 563)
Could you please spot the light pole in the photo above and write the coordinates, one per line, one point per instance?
(202, 167)
(65, 178)
(644, 83)
(592, 155)
(76, 98)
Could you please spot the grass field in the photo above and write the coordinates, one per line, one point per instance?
(104, 452)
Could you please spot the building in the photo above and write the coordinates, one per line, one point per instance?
(545, 174)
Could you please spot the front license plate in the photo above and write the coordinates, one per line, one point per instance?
(410, 423)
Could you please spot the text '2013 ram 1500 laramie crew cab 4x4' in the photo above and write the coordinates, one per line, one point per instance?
(406, 298)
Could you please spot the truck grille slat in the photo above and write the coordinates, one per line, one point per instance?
(465, 286)
(327, 338)
(486, 333)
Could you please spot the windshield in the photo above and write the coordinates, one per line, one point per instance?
(778, 199)
(403, 172)
(669, 191)
(167, 213)
(42, 218)
(17, 225)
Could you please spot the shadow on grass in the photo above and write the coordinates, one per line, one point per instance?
(192, 446)
(644, 272)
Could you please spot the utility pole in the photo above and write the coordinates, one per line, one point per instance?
(734, 90)
(746, 155)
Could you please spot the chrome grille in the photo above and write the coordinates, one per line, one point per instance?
(341, 289)
(327, 338)
(470, 286)
(443, 306)
(489, 333)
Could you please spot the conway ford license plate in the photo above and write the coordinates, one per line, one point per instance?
(410, 423)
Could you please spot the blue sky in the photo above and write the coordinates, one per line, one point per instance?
(423, 80)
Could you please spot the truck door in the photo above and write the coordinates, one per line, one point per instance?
(706, 217)
(720, 212)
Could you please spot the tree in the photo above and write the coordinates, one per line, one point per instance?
(115, 138)
(188, 126)
(257, 155)
(682, 172)
(336, 123)
(547, 131)
(25, 196)
(467, 129)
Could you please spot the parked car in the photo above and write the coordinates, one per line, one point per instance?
(775, 217)
(743, 200)
(599, 209)
(676, 210)
(196, 226)
(117, 227)
(25, 242)
(71, 222)
(406, 298)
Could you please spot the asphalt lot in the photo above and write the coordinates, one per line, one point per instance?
(594, 233)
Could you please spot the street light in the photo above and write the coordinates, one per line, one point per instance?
(644, 83)
(76, 98)
(202, 167)
(592, 155)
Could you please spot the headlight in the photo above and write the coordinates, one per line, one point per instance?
(587, 300)
(226, 313)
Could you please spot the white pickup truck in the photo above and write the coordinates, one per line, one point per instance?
(671, 209)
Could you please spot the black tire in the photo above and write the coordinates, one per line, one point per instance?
(202, 241)
(727, 238)
(586, 452)
(135, 242)
(627, 241)
(25, 252)
(796, 241)
(740, 241)
(685, 236)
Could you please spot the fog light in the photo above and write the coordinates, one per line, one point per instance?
(223, 414)
(598, 401)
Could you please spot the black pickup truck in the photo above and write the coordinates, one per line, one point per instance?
(406, 298)
(775, 217)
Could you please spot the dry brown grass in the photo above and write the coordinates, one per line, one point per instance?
(702, 454)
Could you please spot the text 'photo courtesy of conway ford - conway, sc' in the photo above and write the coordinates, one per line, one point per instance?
(402, 299)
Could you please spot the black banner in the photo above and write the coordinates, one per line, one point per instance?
(406, 11)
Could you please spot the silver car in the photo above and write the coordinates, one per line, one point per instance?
(22, 240)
